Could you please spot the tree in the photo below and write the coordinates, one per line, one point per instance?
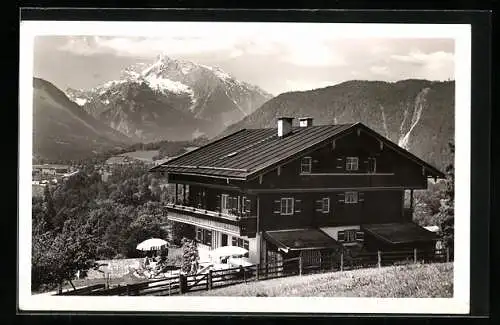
(447, 209)
(148, 224)
(58, 256)
(179, 231)
(190, 255)
(50, 212)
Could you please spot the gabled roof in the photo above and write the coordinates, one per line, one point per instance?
(247, 153)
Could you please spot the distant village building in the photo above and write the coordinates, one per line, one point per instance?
(43, 175)
(50, 169)
(300, 191)
(120, 160)
(51, 173)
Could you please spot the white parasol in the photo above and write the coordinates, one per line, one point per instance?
(228, 251)
(152, 244)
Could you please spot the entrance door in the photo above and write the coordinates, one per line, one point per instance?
(224, 240)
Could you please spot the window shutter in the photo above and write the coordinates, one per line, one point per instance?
(218, 203)
(297, 206)
(277, 206)
(361, 196)
(360, 236)
(366, 164)
(341, 236)
(340, 164)
(341, 198)
(317, 205)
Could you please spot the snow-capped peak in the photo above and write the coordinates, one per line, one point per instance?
(219, 73)
(163, 84)
(163, 61)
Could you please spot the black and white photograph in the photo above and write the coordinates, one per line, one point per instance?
(244, 167)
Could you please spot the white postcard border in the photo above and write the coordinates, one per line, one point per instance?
(459, 304)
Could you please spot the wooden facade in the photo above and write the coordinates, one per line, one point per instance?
(351, 180)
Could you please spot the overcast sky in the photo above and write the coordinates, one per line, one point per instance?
(278, 60)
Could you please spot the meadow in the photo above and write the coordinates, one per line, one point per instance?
(411, 280)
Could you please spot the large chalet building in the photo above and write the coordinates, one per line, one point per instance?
(305, 189)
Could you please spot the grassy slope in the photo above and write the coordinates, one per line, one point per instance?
(417, 280)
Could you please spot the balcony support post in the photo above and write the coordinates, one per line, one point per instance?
(411, 200)
(240, 200)
(176, 193)
(184, 194)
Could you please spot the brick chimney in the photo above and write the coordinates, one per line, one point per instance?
(305, 122)
(284, 126)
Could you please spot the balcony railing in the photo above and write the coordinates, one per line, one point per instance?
(202, 211)
(243, 225)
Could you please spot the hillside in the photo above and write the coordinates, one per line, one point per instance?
(62, 130)
(170, 99)
(416, 114)
(413, 280)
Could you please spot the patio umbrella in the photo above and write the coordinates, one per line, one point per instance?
(228, 251)
(151, 244)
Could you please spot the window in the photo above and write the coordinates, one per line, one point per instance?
(347, 236)
(325, 205)
(229, 204)
(239, 242)
(350, 236)
(306, 165)
(286, 206)
(225, 203)
(204, 236)
(351, 197)
(351, 163)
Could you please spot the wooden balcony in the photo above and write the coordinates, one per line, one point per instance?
(224, 222)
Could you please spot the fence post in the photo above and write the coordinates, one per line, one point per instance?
(447, 254)
(209, 280)
(415, 255)
(320, 261)
(300, 265)
(379, 263)
(182, 283)
(169, 287)
(128, 290)
(257, 272)
(341, 261)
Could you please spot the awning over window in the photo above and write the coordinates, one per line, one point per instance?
(400, 233)
(300, 239)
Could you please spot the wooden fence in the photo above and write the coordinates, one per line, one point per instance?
(221, 278)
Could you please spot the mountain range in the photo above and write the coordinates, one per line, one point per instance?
(418, 115)
(62, 130)
(170, 99)
(178, 100)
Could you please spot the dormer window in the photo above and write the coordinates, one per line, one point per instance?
(351, 163)
(306, 165)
